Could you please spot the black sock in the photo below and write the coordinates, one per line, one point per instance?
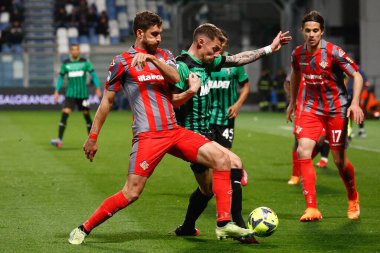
(62, 125)
(197, 204)
(87, 117)
(222, 223)
(325, 149)
(236, 205)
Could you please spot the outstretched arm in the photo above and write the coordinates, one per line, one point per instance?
(251, 56)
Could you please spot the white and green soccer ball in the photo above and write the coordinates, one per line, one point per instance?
(263, 221)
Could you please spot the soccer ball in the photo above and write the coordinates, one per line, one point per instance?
(263, 221)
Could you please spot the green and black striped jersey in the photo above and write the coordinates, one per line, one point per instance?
(76, 71)
(224, 93)
(195, 113)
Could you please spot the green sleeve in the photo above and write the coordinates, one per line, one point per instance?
(183, 72)
(62, 74)
(217, 64)
(93, 74)
(242, 76)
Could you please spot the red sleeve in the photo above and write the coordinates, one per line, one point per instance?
(344, 61)
(294, 60)
(116, 74)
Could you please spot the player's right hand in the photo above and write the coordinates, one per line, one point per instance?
(90, 147)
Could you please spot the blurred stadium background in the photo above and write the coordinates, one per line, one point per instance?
(36, 34)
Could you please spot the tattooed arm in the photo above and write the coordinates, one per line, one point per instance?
(251, 56)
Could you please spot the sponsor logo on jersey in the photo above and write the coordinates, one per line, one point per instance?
(323, 64)
(78, 73)
(150, 77)
(144, 165)
(341, 52)
(312, 76)
(205, 89)
(214, 84)
(349, 60)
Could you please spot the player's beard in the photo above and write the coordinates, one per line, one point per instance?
(151, 48)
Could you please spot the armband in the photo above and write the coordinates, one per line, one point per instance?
(93, 136)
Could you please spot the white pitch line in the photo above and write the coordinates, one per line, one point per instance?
(350, 146)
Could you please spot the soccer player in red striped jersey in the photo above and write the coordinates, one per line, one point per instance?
(326, 105)
(145, 72)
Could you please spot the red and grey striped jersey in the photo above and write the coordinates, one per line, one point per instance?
(146, 89)
(323, 73)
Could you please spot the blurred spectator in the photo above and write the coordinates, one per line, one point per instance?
(13, 38)
(82, 9)
(92, 17)
(16, 15)
(5, 5)
(61, 17)
(264, 87)
(102, 28)
(73, 18)
(279, 92)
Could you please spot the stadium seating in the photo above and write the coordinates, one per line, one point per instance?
(120, 19)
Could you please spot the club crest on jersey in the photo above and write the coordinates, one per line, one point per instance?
(144, 165)
(228, 70)
(323, 64)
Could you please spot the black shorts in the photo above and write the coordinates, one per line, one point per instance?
(81, 103)
(224, 135)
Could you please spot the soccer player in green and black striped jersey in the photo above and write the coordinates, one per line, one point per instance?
(225, 100)
(203, 58)
(76, 69)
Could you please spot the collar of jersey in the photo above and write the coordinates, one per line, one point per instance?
(323, 46)
(193, 57)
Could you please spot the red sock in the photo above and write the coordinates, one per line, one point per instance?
(348, 176)
(308, 182)
(106, 210)
(221, 187)
(296, 166)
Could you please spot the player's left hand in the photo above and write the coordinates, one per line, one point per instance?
(140, 59)
(194, 83)
(281, 39)
(233, 111)
(356, 113)
(90, 148)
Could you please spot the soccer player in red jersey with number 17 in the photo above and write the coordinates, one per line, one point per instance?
(326, 105)
(145, 73)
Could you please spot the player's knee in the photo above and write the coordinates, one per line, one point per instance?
(131, 195)
(221, 161)
(206, 190)
(303, 153)
(339, 163)
(236, 162)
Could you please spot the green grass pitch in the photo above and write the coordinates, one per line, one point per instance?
(46, 192)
